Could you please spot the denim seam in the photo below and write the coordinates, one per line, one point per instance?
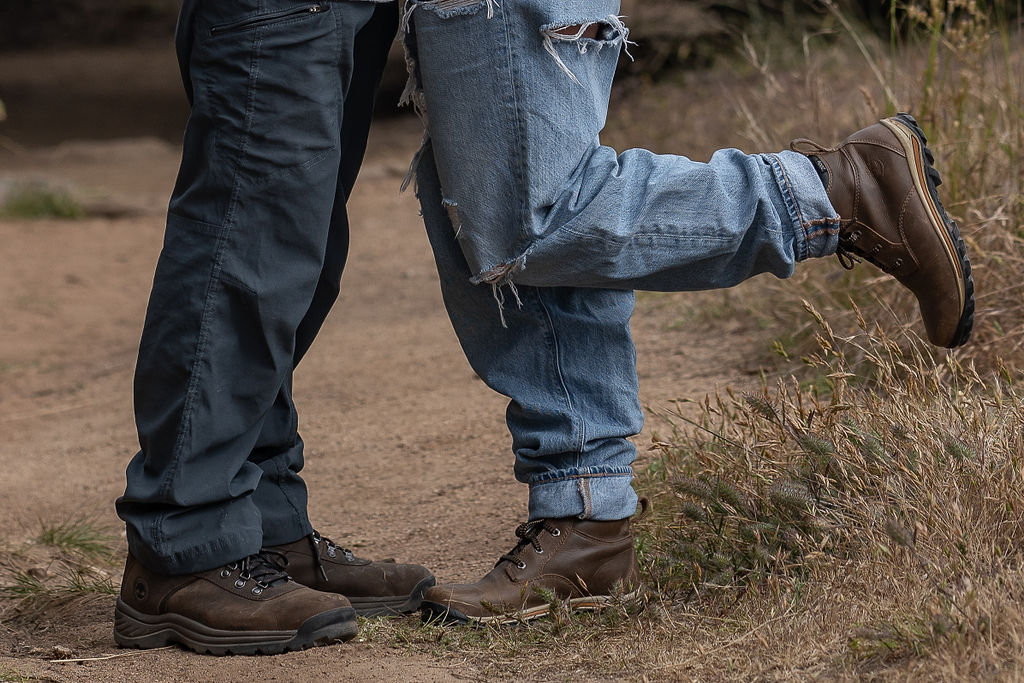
(204, 325)
(297, 514)
(793, 205)
(522, 241)
(583, 486)
(208, 228)
(561, 378)
(650, 235)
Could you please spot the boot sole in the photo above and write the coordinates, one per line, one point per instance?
(391, 606)
(926, 181)
(445, 614)
(133, 629)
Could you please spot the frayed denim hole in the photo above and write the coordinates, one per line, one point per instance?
(586, 36)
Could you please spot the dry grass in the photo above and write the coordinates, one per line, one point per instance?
(65, 564)
(890, 511)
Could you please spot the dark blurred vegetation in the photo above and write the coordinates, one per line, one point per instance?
(692, 33)
(74, 23)
(676, 32)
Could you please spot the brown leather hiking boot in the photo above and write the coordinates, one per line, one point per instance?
(882, 184)
(584, 563)
(245, 608)
(373, 588)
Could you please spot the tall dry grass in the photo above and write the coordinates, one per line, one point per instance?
(872, 492)
(894, 508)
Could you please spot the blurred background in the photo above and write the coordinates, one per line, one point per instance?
(100, 69)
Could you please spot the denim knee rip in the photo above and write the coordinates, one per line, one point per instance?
(587, 35)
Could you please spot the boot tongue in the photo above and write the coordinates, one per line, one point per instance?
(821, 168)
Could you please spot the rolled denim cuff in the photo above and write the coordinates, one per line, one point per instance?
(597, 493)
(803, 198)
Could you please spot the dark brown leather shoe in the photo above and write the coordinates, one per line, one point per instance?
(585, 564)
(245, 608)
(373, 588)
(882, 184)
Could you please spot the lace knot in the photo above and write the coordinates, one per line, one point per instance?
(528, 534)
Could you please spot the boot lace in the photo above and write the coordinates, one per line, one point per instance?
(850, 255)
(320, 543)
(528, 533)
(266, 568)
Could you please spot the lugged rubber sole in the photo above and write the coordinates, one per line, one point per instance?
(392, 605)
(145, 631)
(927, 180)
(439, 612)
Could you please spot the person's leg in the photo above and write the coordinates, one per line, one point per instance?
(248, 230)
(565, 358)
(515, 100)
(515, 96)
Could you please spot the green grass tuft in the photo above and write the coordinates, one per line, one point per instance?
(82, 537)
(34, 201)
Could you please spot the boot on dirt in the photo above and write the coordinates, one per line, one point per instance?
(373, 588)
(881, 182)
(245, 608)
(583, 563)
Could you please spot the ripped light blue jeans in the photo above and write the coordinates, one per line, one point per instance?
(524, 204)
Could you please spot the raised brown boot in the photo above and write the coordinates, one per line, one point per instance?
(245, 608)
(881, 182)
(373, 588)
(585, 564)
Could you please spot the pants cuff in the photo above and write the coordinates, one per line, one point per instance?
(597, 493)
(804, 200)
(190, 560)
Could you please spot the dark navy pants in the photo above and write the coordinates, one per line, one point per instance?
(256, 241)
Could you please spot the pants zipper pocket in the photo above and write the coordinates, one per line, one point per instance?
(253, 22)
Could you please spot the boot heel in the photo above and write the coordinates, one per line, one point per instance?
(130, 631)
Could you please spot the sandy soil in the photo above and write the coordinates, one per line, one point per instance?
(408, 455)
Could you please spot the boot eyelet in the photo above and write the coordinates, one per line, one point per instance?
(233, 566)
(898, 263)
(225, 573)
(240, 584)
(556, 532)
(257, 590)
(331, 552)
(539, 551)
(521, 564)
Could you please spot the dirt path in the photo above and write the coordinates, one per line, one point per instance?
(408, 456)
